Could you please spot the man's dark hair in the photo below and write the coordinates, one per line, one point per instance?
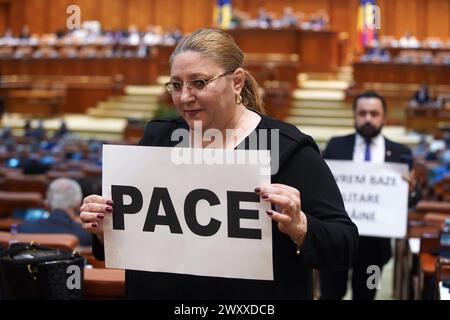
(370, 94)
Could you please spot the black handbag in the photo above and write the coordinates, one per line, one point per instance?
(30, 271)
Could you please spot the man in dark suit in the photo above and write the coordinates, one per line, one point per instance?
(64, 200)
(367, 144)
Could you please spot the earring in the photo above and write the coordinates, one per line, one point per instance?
(238, 99)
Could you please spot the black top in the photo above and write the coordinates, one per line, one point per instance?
(331, 240)
(58, 222)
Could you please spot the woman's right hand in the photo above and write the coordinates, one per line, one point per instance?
(93, 211)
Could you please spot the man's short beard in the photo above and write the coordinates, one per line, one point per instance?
(367, 130)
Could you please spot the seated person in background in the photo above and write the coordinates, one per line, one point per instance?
(319, 20)
(133, 35)
(34, 165)
(8, 141)
(421, 96)
(377, 54)
(239, 18)
(62, 131)
(409, 41)
(38, 133)
(153, 36)
(433, 42)
(64, 200)
(264, 19)
(25, 32)
(289, 18)
(27, 129)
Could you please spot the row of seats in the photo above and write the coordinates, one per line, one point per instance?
(420, 261)
(24, 191)
(87, 51)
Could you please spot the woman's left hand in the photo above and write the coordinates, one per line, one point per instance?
(291, 220)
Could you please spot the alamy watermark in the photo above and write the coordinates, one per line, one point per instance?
(74, 279)
(73, 22)
(190, 150)
(373, 281)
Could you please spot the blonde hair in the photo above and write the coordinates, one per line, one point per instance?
(221, 47)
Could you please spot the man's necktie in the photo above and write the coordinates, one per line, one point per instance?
(367, 152)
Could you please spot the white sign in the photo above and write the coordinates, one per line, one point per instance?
(185, 217)
(375, 196)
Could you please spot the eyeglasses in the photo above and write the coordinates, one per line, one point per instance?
(198, 84)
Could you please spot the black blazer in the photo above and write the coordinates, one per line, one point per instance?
(341, 148)
(331, 240)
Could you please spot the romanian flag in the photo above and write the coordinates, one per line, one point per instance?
(366, 27)
(222, 14)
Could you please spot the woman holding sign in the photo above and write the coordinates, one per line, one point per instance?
(311, 229)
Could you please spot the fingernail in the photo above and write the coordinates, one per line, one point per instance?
(108, 208)
(265, 196)
(269, 212)
(109, 202)
(100, 216)
(94, 225)
(257, 190)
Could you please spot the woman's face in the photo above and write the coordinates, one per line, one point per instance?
(214, 105)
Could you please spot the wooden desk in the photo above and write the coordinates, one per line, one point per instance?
(10, 200)
(396, 51)
(418, 231)
(318, 50)
(81, 92)
(37, 103)
(133, 70)
(270, 67)
(427, 263)
(406, 276)
(104, 283)
(392, 72)
(433, 206)
(162, 54)
(425, 118)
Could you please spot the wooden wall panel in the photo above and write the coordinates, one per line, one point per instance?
(4, 17)
(387, 17)
(339, 15)
(438, 27)
(168, 13)
(422, 17)
(141, 13)
(90, 10)
(407, 16)
(113, 14)
(38, 13)
(197, 14)
(57, 15)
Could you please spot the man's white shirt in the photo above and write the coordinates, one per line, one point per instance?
(377, 149)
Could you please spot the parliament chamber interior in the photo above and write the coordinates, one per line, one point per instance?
(76, 75)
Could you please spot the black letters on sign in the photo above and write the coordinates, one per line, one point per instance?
(161, 195)
(235, 215)
(120, 209)
(190, 213)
